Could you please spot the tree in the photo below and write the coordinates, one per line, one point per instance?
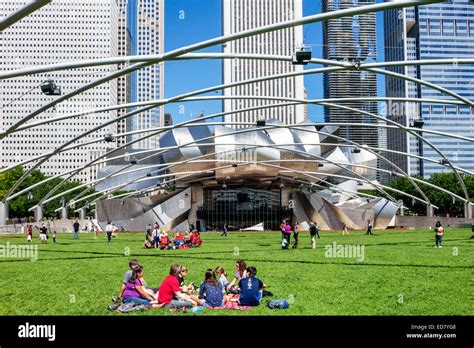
(444, 201)
(19, 206)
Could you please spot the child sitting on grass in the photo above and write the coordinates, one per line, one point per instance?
(211, 291)
(221, 277)
(187, 291)
(250, 293)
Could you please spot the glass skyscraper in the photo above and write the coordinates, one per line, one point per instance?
(351, 39)
(439, 31)
(145, 26)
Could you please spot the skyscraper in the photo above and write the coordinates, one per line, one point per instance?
(145, 24)
(240, 15)
(444, 30)
(64, 30)
(351, 39)
(124, 83)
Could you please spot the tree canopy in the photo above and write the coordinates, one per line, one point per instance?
(443, 200)
(18, 207)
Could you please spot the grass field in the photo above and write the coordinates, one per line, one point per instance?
(401, 274)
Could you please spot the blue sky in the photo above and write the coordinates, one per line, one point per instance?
(191, 21)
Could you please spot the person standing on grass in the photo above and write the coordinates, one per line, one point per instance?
(369, 228)
(224, 234)
(313, 230)
(109, 228)
(296, 230)
(76, 227)
(344, 229)
(30, 233)
(282, 229)
(90, 226)
(44, 234)
(287, 234)
(439, 229)
(148, 229)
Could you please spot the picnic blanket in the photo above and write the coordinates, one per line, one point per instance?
(231, 301)
(231, 305)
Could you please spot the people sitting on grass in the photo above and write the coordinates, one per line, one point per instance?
(133, 264)
(174, 294)
(251, 288)
(221, 277)
(148, 243)
(211, 291)
(135, 292)
(178, 239)
(170, 294)
(114, 231)
(164, 241)
(195, 239)
(240, 272)
(187, 290)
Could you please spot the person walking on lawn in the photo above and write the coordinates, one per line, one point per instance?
(369, 228)
(226, 228)
(76, 227)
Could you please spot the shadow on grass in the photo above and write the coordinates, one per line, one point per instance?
(187, 254)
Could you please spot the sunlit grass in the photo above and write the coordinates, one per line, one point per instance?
(401, 274)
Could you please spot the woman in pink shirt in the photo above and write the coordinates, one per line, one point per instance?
(286, 235)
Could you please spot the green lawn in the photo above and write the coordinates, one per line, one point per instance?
(401, 274)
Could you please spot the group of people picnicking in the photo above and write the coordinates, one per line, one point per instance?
(158, 238)
(173, 293)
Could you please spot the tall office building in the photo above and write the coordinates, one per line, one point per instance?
(440, 31)
(145, 24)
(351, 39)
(240, 15)
(124, 83)
(64, 30)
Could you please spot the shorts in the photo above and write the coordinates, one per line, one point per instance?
(43, 236)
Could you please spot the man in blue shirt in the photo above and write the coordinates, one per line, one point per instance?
(250, 289)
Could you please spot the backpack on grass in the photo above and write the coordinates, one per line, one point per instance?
(278, 304)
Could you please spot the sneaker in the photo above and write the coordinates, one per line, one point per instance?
(440, 246)
(436, 246)
(113, 307)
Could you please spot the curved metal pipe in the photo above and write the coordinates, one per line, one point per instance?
(255, 31)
